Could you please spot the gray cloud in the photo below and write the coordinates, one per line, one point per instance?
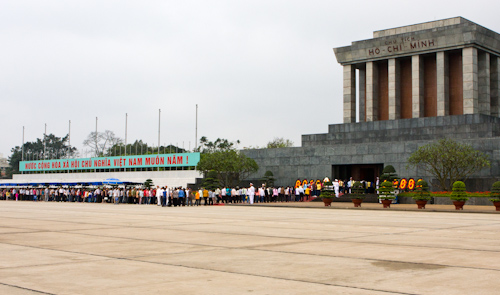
(257, 69)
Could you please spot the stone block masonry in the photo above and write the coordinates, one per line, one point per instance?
(381, 142)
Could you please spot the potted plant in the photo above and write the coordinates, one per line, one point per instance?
(389, 173)
(386, 193)
(495, 195)
(421, 194)
(459, 195)
(357, 194)
(327, 193)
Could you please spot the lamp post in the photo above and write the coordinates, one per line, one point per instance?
(126, 119)
(69, 139)
(96, 145)
(45, 142)
(159, 118)
(45, 145)
(22, 150)
(196, 130)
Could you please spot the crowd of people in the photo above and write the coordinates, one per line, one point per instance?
(162, 196)
(177, 196)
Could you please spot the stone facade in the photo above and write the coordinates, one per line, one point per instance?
(381, 142)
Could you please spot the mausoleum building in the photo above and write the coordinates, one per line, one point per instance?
(440, 68)
(404, 88)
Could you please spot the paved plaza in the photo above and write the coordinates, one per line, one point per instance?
(75, 248)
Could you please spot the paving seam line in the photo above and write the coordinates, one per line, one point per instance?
(28, 289)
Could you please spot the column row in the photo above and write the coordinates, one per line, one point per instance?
(440, 84)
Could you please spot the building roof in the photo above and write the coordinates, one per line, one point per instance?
(440, 35)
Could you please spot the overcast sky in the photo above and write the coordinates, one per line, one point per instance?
(257, 69)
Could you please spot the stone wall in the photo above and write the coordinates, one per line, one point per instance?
(472, 126)
(382, 142)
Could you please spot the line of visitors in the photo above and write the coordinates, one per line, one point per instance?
(179, 196)
(161, 196)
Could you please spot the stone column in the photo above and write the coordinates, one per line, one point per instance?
(470, 80)
(495, 85)
(484, 82)
(349, 94)
(394, 89)
(371, 91)
(362, 94)
(417, 85)
(443, 84)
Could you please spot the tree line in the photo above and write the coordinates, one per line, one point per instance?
(220, 157)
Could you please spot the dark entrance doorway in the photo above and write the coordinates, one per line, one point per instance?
(368, 172)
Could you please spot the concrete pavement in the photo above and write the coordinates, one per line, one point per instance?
(377, 206)
(74, 248)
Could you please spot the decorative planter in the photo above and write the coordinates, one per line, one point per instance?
(386, 203)
(421, 203)
(357, 202)
(327, 201)
(497, 205)
(459, 205)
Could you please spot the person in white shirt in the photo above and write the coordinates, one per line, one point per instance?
(349, 184)
(167, 196)
(262, 194)
(297, 193)
(61, 194)
(234, 197)
(336, 187)
(141, 195)
(211, 196)
(97, 194)
(223, 193)
(116, 196)
(243, 193)
(217, 195)
(251, 193)
(159, 195)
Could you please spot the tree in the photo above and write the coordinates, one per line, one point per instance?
(225, 161)
(100, 142)
(141, 148)
(137, 148)
(389, 173)
(54, 148)
(448, 161)
(357, 191)
(279, 142)
(268, 178)
(219, 144)
(211, 182)
(148, 183)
